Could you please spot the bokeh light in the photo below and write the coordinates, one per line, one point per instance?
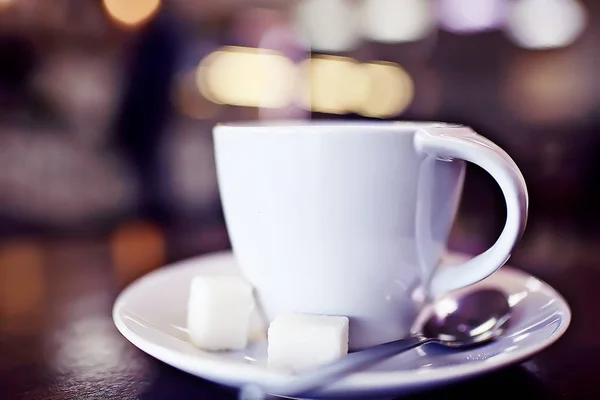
(131, 12)
(329, 25)
(341, 85)
(391, 90)
(324, 83)
(471, 16)
(545, 24)
(137, 248)
(397, 21)
(248, 77)
(22, 284)
(336, 85)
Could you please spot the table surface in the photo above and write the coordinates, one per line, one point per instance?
(58, 341)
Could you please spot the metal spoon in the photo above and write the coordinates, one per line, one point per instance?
(456, 321)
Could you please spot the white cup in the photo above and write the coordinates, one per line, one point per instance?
(346, 218)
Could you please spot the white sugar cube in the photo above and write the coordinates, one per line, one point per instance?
(302, 341)
(219, 312)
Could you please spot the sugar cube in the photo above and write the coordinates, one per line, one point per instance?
(219, 312)
(298, 342)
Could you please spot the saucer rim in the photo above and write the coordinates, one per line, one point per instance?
(233, 373)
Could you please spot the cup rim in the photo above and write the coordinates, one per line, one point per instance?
(325, 124)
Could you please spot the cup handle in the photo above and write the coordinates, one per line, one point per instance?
(464, 143)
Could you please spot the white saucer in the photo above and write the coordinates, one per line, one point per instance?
(151, 314)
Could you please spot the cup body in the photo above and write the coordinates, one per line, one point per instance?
(337, 218)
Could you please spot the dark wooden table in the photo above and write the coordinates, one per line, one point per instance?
(57, 339)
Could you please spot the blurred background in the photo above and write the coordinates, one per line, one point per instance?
(107, 107)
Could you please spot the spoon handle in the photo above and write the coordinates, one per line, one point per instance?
(305, 383)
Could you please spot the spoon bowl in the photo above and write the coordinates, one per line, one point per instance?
(462, 321)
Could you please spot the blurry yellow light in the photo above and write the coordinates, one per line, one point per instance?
(336, 85)
(131, 12)
(391, 90)
(329, 84)
(201, 77)
(247, 77)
